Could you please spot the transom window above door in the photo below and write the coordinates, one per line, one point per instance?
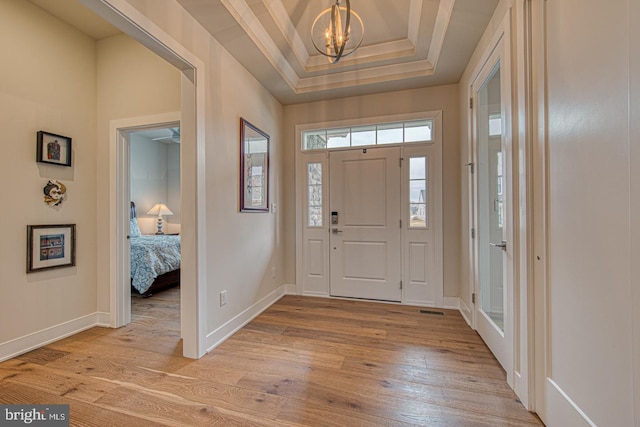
(368, 135)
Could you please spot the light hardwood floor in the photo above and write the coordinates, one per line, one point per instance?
(303, 362)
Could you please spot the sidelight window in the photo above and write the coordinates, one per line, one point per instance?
(314, 191)
(418, 192)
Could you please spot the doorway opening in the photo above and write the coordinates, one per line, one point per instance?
(150, 256)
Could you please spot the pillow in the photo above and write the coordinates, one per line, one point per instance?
(134, 229)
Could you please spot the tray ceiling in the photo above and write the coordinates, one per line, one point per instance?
(407, 43)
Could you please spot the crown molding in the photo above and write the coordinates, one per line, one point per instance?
(399, 49)
(385, 73)
(249, 22)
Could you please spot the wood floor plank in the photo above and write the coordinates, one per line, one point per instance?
(175, 409)
(410, 357)
(80, 414)
(61, 383)
(286, 354)
(126, 355)
(226, 396)
(354, 399)
(303, 362)
(107, 369)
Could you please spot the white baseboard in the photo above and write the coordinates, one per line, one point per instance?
(452, 303)
(562, 410)
(290, 290)
(103, 319)
(218, 336)
(466, 312)
(316, 294)
(21, 345)
(420, 303)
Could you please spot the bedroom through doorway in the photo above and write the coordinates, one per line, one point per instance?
(155, 223)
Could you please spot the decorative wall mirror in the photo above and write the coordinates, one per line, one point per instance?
(254, 168)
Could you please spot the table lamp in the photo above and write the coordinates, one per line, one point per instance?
(159, 209)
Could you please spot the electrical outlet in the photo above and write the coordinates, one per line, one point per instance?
(273, 272)
(223, 298)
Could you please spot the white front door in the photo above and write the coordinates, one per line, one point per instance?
(493, 284)
(365, 224)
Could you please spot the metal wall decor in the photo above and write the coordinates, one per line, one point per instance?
(54, 193)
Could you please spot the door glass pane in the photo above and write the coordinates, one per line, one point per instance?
(390, 133)
(491, 199)
(363, 135)
(419, 130)
(418, 196)
(337, 138)
(314, 140)
(314, 190)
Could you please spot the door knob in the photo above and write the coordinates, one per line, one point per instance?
(502, 245)
(336, 231)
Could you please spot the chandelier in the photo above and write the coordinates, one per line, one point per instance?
(333, 39)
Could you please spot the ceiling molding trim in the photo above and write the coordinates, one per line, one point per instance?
(415, 13)
(379, 52)
(445, 9)
(258, 34)
(381, 74)
(365, 54)
(289, 32)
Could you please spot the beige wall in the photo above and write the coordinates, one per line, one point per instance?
(132, 82)
(591, 163)
(56, 79)
(47, 82)
(443, 98)
(155, 177)
(241, 248)
(634, 181)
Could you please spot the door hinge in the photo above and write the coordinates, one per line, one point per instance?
(400, 223)
(471, 103)
(473, 298)
(400, 284)
(473, 233)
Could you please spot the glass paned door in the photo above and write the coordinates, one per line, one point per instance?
(492, 274)
(491, 201)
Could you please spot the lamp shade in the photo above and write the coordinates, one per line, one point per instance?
(159, 209)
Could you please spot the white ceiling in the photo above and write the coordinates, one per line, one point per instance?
(167, 135)
(407, 44)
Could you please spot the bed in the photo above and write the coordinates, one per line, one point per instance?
(155, 259)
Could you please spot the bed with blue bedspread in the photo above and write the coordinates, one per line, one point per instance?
(155, 259)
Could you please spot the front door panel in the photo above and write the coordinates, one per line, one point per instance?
(365, 231)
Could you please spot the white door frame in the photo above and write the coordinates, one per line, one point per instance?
(321, 283)
(193, 299)
(502, 41)
(122, 313)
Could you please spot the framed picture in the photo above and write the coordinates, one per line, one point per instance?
(50, 246)
(54, 149)
(254, 168)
